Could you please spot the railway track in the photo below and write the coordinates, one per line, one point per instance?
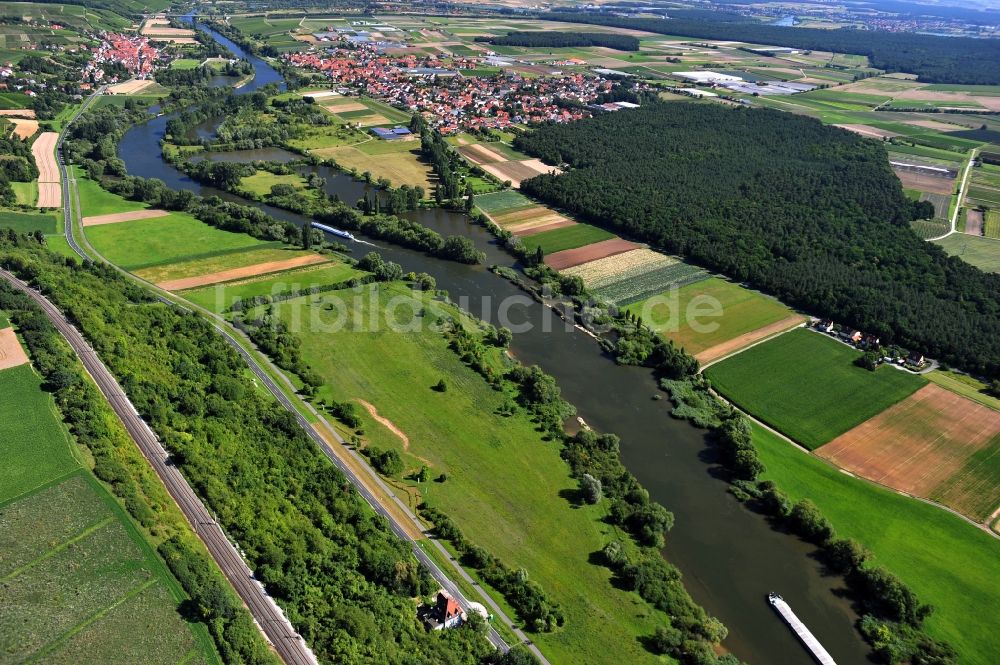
(269, 617)
(69, 196)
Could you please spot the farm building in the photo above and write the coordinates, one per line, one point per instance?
(391, 134)
(708, 77)
(445, 613)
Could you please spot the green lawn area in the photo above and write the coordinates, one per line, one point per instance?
(36, 446)
(984, 253)
(742, 310)
(219, 297)
(568, 237)
(95, 200)
(185, 63)
(504, 483)
(949, 563)
(806, 385)
(27, 222)
(146, 243)
(261, 182)
(26, 192)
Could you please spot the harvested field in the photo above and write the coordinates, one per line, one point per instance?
(602, 272)
(117, 217)
(934, 444)
(372, 120)
(524, 231)
(24, 128)
(925, 183)
(241, 273)
(43, 150)
(49, 195)
(517, 171)
(933, 124)
(598, 250)
(519, 215)
(17, 113)
(870, 132)
(746, 339)
(347, 105)
(974, 222)
(480, 154)
(11, 352)
(129, 87)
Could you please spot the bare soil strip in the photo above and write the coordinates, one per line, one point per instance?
(11, 352)
(391, 426)
(925, 183)
(129, 87)
(748, 338)
(18, 113)
(974, 222)
(921, 443)
(49, 195)
(598, 250)
(240, 273)
(346, 106)
(870, 132)
(116, 217)
(480, 154)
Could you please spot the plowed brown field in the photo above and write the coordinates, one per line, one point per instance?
(598, 250)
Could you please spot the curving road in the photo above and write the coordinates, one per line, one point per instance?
(272, 621)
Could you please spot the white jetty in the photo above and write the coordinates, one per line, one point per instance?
(807, 638)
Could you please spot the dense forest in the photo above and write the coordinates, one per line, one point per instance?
(346, 582)
(809, 213)
(933, 59)
(552, 39)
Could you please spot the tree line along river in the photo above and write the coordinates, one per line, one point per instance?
(730, 557)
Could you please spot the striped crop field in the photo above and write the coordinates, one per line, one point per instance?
(604, 272)
(627, 291)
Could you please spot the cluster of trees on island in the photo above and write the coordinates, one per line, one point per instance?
(555, 39)
(810, 213)
(933, 59)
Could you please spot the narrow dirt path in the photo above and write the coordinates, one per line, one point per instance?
(391, 426)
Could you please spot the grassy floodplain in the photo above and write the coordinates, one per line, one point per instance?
(78, 582)
(505, 486)
(806, 385)
(948, 562)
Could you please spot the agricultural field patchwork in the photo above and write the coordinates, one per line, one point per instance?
(934, 444)
(948, 562)
(647, 284)
(806, 385)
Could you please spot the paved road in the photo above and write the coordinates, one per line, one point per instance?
(64, 173)
(282, 398)
(289, 645)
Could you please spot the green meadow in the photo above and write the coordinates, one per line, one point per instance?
(807, 386)
(95, 200)
(948, 562)
(984, 253)
(28, 222)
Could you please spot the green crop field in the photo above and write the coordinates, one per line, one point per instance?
(984, 253)
(219, 297)
(29, 415)
(742, 310)
(27, 222)
(147, 243)
(505, 487)
(73, 563)
(185, 63)
(504, 201)
(806, 385)
(568, 237)
(964, 385)
(991, 224)
(948, 562)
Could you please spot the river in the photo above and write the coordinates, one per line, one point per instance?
(730, 557)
